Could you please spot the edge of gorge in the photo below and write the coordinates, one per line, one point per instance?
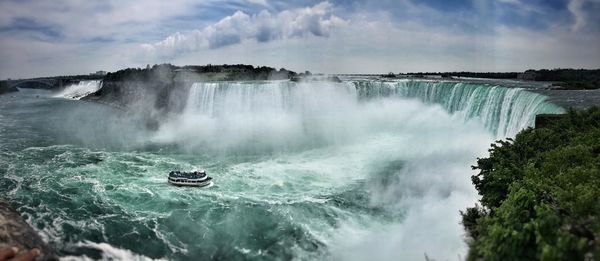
(14, 231)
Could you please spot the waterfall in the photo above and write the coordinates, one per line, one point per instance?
(503, 111)
(221, 98)
(79, 90)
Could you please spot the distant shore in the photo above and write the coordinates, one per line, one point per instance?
(577, 88)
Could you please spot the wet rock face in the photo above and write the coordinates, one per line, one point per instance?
(14, 231)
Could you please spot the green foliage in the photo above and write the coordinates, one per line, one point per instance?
(5, 88)
(574, 79)
(162, 73)
(540, 194)
(571, 78)
(165, 73)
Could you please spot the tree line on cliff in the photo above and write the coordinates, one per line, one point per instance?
(571, 79)
(166, 72)
(540, 194)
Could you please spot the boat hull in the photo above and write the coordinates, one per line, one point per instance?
(198, 185)
(191, 183)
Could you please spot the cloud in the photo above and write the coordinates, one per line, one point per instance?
(40, 38)
(31, 28)
(575, 7)
(261, 27)
(139, 21)
(259, 2)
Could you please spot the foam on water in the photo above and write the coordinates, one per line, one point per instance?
(108, 253)
(344, 171)
(503, 111)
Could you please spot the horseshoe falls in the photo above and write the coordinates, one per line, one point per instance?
(503, 111)
(362, 169)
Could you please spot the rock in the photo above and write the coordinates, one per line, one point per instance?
(164, 87)
(5, 88)
(14, 231)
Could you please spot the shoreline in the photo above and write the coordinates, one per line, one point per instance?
(14, 231)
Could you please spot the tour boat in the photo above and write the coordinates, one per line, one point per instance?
(197, 178)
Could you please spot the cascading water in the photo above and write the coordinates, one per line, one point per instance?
(363, 169)
(266, 116)
(503, 111)
(80, 89)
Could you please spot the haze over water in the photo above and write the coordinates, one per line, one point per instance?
(304, 167)
(349, 172)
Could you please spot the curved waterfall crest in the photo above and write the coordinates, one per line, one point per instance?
(503, 111)
(218, 98)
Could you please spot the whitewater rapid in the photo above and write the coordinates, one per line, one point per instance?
(409, 144)
(363, 169)
(79, 90)
(503, 111)
(327, 112)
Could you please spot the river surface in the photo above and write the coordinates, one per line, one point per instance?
(364, 169)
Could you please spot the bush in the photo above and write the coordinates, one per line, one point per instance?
(540, 194)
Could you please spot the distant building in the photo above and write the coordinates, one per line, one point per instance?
(528, 75)
(99, 73)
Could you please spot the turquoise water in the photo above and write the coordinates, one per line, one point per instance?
(302, 171)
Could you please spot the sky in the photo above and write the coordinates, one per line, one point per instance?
(65, 37)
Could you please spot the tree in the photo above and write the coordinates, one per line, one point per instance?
(540, 194)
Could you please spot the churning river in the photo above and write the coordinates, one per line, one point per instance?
(365, 169)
